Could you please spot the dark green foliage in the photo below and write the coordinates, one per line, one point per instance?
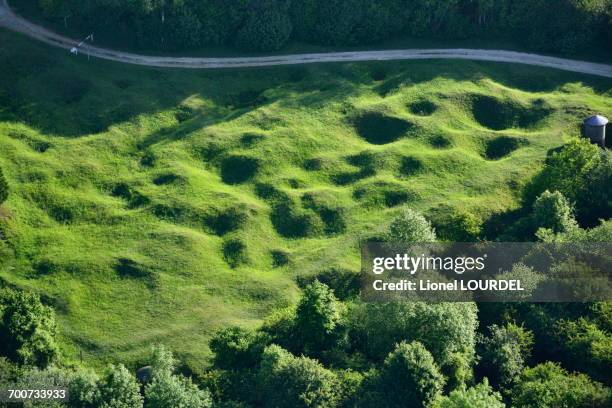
(440, 141)
(504, 353)
(478, 396)
(164, 179)
(318, 319)
(119, 389)
(133, 198)
(4, 189)
(553, 212)
(293, 382)
(343, 282)
(585, 346)
(452, 224)
(409, 378)
(550, 386)
(448, 331)
(578, 171)
(236, 348)
(267, 28)
(27, 329)
(267, 25)
(331, 213)
(280, 258)
(166, 389)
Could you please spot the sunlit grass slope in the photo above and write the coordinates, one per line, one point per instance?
(158, 205)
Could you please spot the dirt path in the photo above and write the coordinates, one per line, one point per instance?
(16, 23)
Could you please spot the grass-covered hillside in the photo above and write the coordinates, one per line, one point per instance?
(155, 206)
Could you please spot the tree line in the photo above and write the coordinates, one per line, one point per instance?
(564, 26)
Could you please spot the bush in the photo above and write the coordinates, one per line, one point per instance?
(479, 396)
(550, 386)
(167, 390)
(119, 389)
(410, 226)
(28, 330)
(287, 381)
(504, 352)
(456, 225)
(236, 348)
(553, 212)
(447, 330)
(585, 347)
(409, 377)
(578, 171)
(318, 320)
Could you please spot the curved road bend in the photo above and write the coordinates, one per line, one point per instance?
(14, 22)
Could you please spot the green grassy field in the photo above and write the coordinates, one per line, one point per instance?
(154, 205)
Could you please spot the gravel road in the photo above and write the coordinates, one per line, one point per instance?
(14, 22)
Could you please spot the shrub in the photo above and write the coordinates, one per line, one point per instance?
(287, 381)
(550, 386)
(504, 353)
(456, 225)
(119, 389)
(28, 330)
(447, 330)
(236, 348)
(409, 377)
(478, 396)
(318, 320)
(552, 211)
(410, 226)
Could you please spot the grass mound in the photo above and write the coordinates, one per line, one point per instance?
(410, 166)
(280, 258)
(235, 252)
(497, 114)
(502, 146)
(422, 108)
(440, 141)
(228, 220)
(133, 198)
(383, 194)
(290, 221)
(251, 139)
(237, 169)
(380, 129)
(129, 269)
(332, 213)
(168, 178)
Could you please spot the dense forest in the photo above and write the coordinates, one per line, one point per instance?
(564, 26)
(334, 350)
